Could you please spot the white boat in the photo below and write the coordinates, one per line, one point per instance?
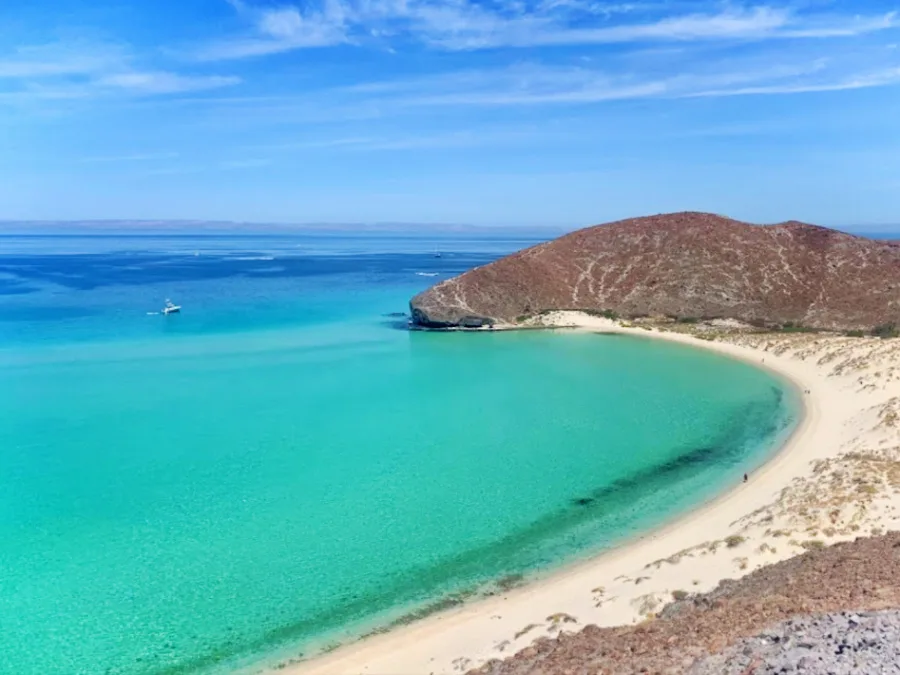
(171, 308)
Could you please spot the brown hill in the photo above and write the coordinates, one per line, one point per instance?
(855, 576)
(683, 265)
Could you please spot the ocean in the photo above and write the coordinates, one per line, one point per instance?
(283, 466)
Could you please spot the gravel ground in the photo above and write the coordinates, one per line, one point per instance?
(864, 643)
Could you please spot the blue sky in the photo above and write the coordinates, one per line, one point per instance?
(530, 112)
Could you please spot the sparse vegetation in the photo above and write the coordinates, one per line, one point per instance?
(712, 546)
(529, 627)
(885, 331)
(794, 327)
(604, 313)
(813, 545)
(734, 540)
(646, 604)
(855, 333)
(671, 560)
(680, 595)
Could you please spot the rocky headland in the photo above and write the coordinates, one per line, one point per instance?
(682, 265)
(810, 578)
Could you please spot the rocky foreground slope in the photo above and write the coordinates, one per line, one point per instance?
(848, 643)
(688, 265)
(709, 633)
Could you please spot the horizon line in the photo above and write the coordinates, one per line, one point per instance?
(171, 223)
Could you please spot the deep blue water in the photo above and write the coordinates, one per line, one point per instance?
(64, 288)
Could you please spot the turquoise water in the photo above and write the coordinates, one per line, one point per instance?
(184, 494)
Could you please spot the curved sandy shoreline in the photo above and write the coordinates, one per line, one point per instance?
(625, 584)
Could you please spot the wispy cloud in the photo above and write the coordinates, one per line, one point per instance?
(279, 30)
(856, 25)
(58, 60)
(399, 142)
(756, 23)
(79, 70)
(880, 78)
(160, 82)
(460, 25)
(529, 84)
(537, 84)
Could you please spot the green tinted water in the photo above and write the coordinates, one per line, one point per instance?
(169, 506)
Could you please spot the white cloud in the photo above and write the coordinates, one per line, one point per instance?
(60, 71)
(849, 27)
(605, 9)
(537, 84)
(881, 78)
(57, 60)
(162, 82)
(283, 24)
(534, 85)
(459, 25)
(280, 30)
(527, 32)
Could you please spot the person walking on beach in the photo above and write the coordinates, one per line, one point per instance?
(746, 478)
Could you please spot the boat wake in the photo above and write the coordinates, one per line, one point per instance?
(426, 274)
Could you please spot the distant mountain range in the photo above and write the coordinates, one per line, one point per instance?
(239, 227)
(231, 227)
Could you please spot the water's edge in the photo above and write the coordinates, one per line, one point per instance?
(389, 622)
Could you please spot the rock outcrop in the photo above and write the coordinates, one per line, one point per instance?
(848, 643)
(852, 577)
(688, 265)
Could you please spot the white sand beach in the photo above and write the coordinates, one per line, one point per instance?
(837, 478)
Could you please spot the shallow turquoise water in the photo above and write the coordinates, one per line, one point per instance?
(178, 497)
